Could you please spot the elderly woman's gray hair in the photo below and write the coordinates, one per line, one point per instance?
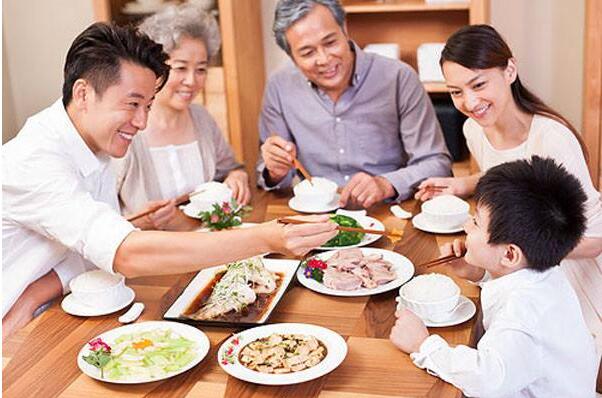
(290, 11)
(169, 25)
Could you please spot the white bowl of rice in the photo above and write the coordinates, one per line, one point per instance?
(431, 296)
(98, 289)
(445, 211)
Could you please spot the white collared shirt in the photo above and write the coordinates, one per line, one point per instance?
(59, 206)
(536, 342)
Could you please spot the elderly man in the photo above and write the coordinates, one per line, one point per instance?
(359, 119)
(59, 209)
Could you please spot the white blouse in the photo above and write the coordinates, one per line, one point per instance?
(179, 168)
(536, 343)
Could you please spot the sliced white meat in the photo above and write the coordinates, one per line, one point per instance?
(335, 279)
(381, 272)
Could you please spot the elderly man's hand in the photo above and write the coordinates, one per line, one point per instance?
(278, 155)
(365, 190)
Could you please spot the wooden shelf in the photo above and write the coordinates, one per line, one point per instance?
(435, 87)
(362, 7)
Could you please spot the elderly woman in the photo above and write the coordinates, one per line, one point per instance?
(182, 145)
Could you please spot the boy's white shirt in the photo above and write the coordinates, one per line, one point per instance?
(536, 342)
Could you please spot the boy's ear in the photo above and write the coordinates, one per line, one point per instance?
(513, 257)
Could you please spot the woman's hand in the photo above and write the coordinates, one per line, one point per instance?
(159, 219)
(238, 182)
(409, 332)
(459, 266)
(458, 186)
(299, 239)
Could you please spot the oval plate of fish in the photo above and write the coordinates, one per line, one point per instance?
(355, 272)
(282, 353)
(242, 293)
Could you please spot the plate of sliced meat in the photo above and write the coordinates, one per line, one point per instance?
(355, 272)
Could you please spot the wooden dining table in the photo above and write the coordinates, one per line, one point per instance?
(41, 359)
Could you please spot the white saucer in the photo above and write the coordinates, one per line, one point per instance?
(466, 310)
(73, 307)
(295, 204)
(420, 223)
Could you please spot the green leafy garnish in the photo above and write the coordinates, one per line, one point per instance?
(345, 238)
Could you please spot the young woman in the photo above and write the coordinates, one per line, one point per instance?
(181, 146)
(507, 122)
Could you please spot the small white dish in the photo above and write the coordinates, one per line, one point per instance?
(74, 307)
(186, 331)
(227, 356)
(366, 222)
(463, 312)
(298, 205)
(402, 266)
(422, 224)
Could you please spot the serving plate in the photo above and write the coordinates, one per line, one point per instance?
(367, 223)
(228, 353)
(186, 331)
(285, 268)
(402, 266)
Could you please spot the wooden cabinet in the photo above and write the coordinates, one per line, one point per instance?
(234, 87)
(409, 23)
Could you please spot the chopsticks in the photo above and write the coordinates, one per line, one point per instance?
(287, 220)
(179, 201)
(302, 169)
(436, 188)
(439, 261)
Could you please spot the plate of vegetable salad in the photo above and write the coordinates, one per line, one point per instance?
(345, 239)
(143, 352)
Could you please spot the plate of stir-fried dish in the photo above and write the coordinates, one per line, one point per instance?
(241, 293)
(282, 353)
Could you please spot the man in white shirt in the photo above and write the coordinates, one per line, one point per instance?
(60, 213)
(529, 216)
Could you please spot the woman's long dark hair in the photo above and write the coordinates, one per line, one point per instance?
(482, 47)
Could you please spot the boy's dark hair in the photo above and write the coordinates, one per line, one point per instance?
(96, 55)
(535, 204)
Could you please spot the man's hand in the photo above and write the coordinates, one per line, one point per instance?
(409, 332)
(365, 190)
(238, 182)
(278, 155)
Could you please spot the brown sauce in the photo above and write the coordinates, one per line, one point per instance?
(252, 313)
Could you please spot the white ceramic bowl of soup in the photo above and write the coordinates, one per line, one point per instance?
(432, 297)
(320, 192)
(445, 211)
(98, 289)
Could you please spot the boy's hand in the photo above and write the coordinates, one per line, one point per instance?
(460, 267)
(409, 331)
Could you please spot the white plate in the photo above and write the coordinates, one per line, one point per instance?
(367, 223)
(465, 310)
(335, 346)
(205, 276)
(420, 223)
(402, 266)
(74, 307)
(297, 205)
(110, 336)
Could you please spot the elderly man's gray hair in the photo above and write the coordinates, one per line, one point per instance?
(169, 25)
(290, 11)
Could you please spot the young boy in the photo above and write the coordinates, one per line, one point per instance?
(529, 216)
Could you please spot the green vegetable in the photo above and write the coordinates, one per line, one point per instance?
(345, 238)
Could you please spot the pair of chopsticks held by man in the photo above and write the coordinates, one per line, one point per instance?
(356, 118)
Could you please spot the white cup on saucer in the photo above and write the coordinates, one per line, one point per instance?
(433, 297)
(445, 211)
(99, 289)
(207, 194)
(319, 193)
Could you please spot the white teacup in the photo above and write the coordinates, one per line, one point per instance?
(445, 211)
(320, 192)
(209, 193)
(99, 289)
(432, 297)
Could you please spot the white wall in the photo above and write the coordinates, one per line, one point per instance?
(546, 37)
(37, 35)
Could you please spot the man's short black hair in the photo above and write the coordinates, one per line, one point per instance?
(535, 204)
(96, 55)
